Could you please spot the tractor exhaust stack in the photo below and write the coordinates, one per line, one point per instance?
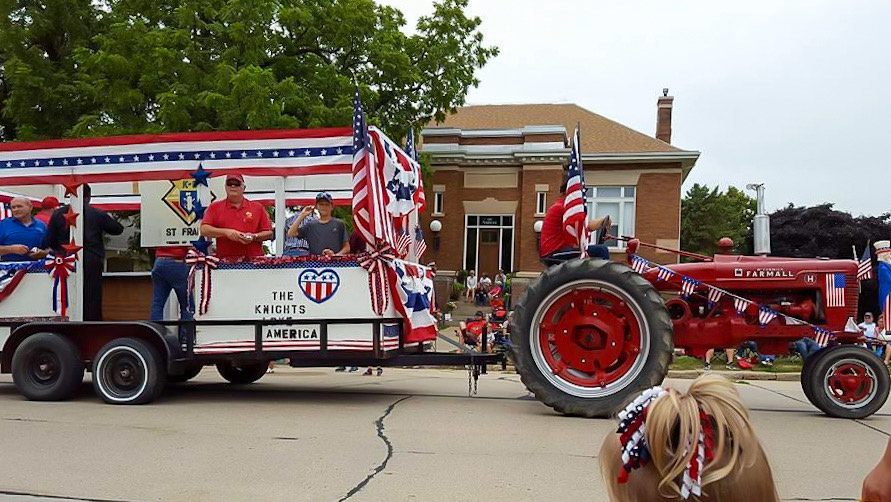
(761, 223)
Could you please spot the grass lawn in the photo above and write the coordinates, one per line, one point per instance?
(783, 364)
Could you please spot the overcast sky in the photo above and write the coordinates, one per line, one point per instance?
(794, 94)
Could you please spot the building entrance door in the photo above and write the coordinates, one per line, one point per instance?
(489, 250)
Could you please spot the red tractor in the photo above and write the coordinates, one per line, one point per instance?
(589, 335)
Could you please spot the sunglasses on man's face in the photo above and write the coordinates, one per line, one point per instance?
(233, 183)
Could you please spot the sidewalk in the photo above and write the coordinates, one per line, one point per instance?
(737, 375)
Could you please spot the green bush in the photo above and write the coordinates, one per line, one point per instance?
(457, 289)
(461, 277)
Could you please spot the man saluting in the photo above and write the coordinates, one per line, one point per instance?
(239, 225)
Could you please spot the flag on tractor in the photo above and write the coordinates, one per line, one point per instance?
(414, 286)
(835, 289)
(714, 295)
(575, 204)
(864, 267)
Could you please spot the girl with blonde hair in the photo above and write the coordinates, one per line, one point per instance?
(697, 446)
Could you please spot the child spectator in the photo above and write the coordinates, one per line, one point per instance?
(652, 459)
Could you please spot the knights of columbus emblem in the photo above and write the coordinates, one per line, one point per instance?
(182, 198)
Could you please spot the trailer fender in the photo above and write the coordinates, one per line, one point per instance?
(91, 336)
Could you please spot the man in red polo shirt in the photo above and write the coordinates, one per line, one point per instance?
(556, 243)
(239, 225)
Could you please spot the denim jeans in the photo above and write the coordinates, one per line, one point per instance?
(170, 274)
(594, 251)
(806, 347)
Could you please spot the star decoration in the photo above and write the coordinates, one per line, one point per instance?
(71, 248)
(199, 209)
(201, 175)
(202, 244)
(71, 188)
(71, 217)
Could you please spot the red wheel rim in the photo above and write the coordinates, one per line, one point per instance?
(590, 337)
(850, 383)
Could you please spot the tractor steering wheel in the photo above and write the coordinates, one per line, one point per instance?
(603, 229)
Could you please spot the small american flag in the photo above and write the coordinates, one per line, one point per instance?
(640, 265)
(864, 268)
(664, 274)
(741, 304)
(714, 295)
(821, 336)
(420, 245)
(5, 211)
(412, 150)
(765, 315)
(688, 286)
(403, 238)
(575, 205)
(835, 289)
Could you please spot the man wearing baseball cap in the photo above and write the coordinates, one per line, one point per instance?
(326, 236)
(238, 225)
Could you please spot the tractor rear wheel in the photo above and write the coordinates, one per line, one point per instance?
(848, 381)
(589, 335)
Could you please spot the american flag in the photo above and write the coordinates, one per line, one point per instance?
(575, 205)
(5, 211)
(664, 274)
(403, 238)
(420, 245)
(835, 289)
(688, 286)
(412, 151)
(864, 268)
(369, 214)
(822, 336)
(640, 265)
(714, 295)
(765, 315)
(741, 304)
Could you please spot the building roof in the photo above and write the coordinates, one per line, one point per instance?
(599, 134)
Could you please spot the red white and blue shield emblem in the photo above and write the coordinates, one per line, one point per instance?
(318, 285)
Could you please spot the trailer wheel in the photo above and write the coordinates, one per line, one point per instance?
(187, 374)
(47, 367)
(848, 382)
(128, 371)
(589, 335)
(242, 374)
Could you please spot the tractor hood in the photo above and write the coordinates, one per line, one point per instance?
(745, 272)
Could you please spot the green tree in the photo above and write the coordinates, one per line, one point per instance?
(84, 68)
(708, 215)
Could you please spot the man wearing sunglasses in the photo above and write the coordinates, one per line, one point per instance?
(238, 225)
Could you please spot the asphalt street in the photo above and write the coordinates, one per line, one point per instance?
(412, 434)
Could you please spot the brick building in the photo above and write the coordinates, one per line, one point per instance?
(499, 167)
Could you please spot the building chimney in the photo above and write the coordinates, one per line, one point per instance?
(663, 116)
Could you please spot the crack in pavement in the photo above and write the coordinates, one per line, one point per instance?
(54, 497)
(379, 423)
(855, 420)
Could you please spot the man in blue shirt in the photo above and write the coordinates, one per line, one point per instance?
(21, 237)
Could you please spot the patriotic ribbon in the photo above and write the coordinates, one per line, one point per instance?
(60, 268)
(688, 286)
(375, 263)
(765, 315)
(640, 265)
(714, 295)
(664, 274)
(207, 263)
(822, 336)
(741, 304)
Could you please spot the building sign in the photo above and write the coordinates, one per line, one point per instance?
(170, 211)
(490, 221)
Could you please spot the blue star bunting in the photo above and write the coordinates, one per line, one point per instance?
(199, 209)
(201, 176)
(202, 245)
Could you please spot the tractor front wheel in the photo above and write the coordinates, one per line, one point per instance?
(589, 335)
(847, 381)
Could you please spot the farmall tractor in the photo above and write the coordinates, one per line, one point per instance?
(590, 334)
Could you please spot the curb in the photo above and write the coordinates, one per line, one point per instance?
(736, 375)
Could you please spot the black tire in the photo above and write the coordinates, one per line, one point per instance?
(830, 368)
(243, 374)
(187, 374)
(129, 371)
(649, 367)
(47, 367)
(806, 368)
